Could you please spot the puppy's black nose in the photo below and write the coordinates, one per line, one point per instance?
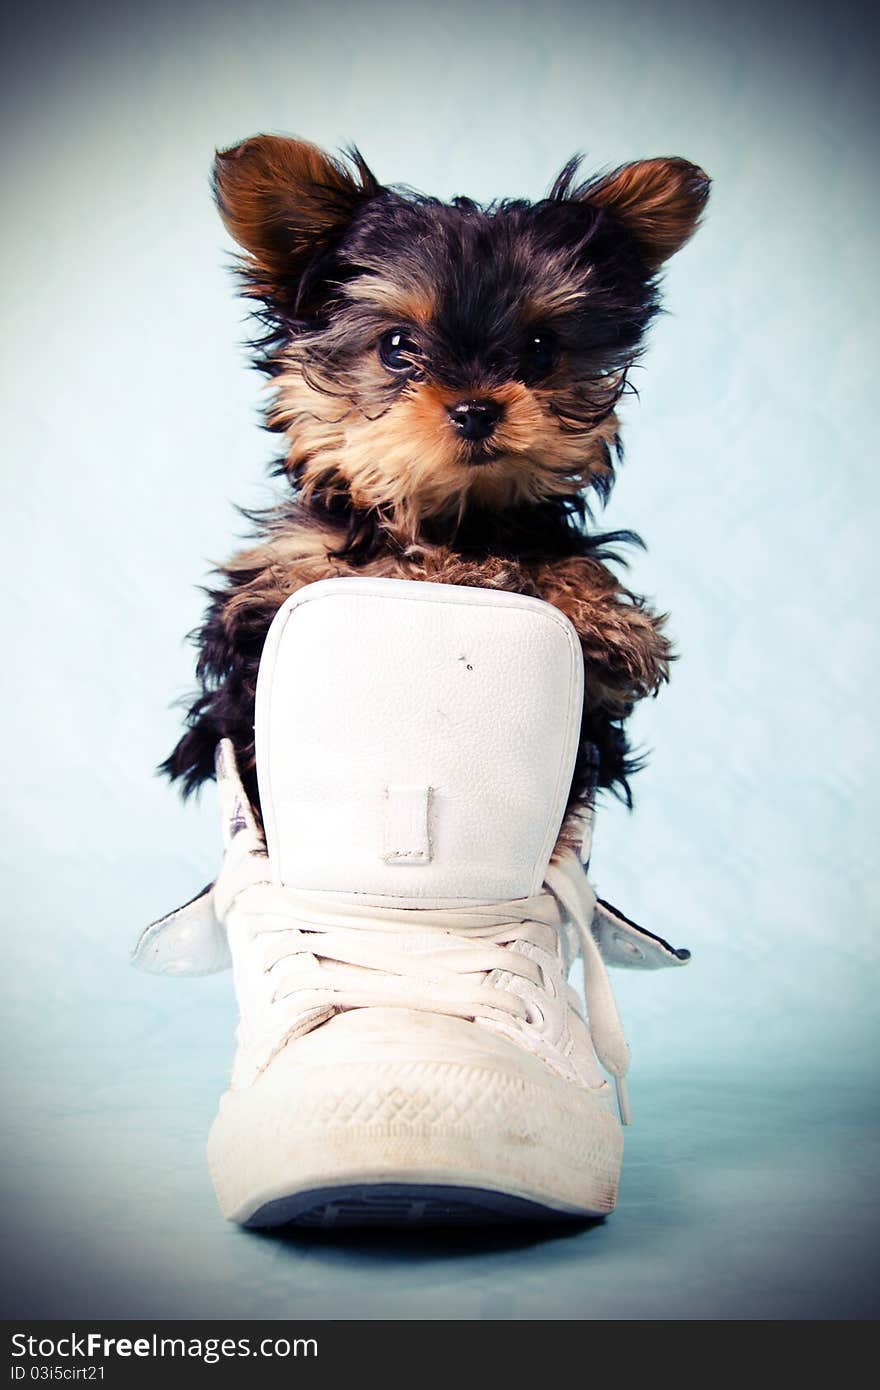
(475, 420)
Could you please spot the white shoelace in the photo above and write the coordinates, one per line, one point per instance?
(328, 956)
(567, 880)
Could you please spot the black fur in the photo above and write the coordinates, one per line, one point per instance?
(484, 262)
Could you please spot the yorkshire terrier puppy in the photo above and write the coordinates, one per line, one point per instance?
(445, 380)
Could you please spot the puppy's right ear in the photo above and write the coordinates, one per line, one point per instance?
(283, 201)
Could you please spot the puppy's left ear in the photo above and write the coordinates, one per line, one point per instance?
(659, 201)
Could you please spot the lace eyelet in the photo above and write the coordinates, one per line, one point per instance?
(535, 1017)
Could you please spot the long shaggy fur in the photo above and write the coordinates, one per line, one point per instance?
(539, 309)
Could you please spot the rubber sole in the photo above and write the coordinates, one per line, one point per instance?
(403, 1205)
(385, 1141)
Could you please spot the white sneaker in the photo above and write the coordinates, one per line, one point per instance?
(410, 1049)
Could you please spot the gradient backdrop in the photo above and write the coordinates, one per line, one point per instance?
(130, 428)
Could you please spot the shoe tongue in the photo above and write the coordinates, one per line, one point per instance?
(416, 742)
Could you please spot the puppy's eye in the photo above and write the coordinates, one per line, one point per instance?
(397, 350)
(541, 354)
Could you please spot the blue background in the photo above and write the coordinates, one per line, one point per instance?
(130, 424)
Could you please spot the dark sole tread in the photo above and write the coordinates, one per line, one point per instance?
(403, 1205)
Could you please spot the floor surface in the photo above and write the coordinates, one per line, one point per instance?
(742, 1197)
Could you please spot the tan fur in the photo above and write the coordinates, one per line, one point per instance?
(659, 200)
(410, 463)
(414, 302)
(562, 284)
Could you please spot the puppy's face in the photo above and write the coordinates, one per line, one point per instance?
(429, 358)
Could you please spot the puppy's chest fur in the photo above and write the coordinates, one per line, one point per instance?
(625, 651)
